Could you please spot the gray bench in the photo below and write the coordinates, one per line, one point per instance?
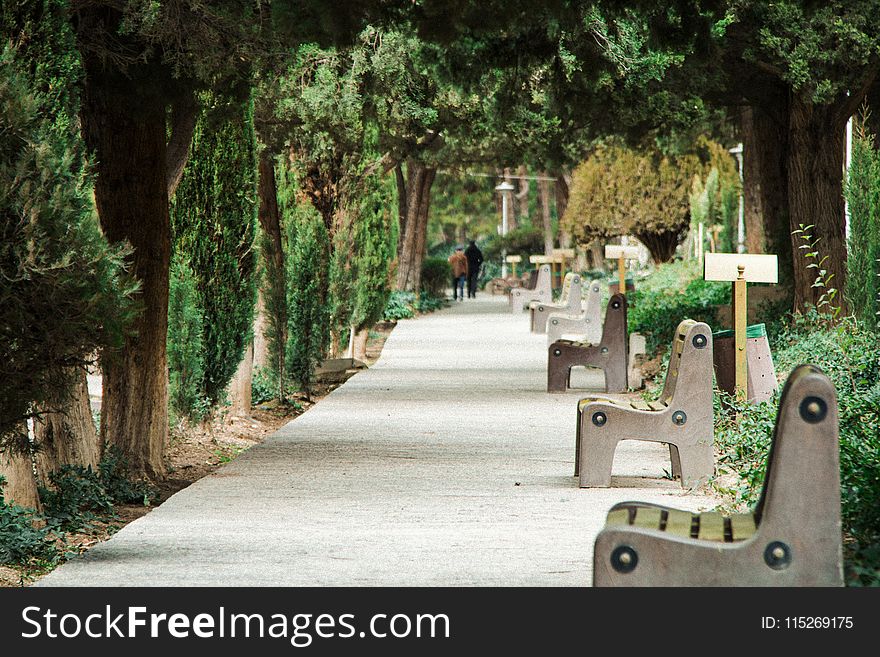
(682, 417)
(610, 354)
(585, 324)
(792, 537)
(569, 301)
(520, 297)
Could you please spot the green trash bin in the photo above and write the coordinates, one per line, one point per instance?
(762, 373)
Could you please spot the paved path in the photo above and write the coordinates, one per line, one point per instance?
(446, 463)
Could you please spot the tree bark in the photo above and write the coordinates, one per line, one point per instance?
(815, 192)
(522, 196)
(360, 345)
(765, 188)
(413, 235)
(184, 114)
(544, 194)
(661, 245)
(563, 184)
(270, 223)
(68, 436)
(20, 487)
(124, 126)
(240, 388)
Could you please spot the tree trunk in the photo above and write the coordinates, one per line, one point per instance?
(275, 284)
(184, 114)
(815, 192)
(765, 188)
(414, 227)
(661, 245)
(240, 387)
(68, 436)
(563, 183)
(544, 193)
(360, 345)
(20, 486)
(124, 126)
(522, 196)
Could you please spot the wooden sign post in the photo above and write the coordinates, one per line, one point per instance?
(514, 260)
(741, 269)
(621, 254)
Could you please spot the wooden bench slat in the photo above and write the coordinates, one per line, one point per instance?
(742, 526)
(711, 526)
(658, 405)
(679, 523)
(647, 517)
(617, 517)
(640, 405)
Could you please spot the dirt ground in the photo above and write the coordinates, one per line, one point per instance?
(196, 451)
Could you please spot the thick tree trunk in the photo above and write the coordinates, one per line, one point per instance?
(563, 183)
(544, 194)
(240, 387)
(815, 189)
(360, 344)
(522, 196)
(20, 487)
(414, 228)
(184, 114)
(765, 188)
(661, 245)
(125, 128)
(68, 436)
(270, 223)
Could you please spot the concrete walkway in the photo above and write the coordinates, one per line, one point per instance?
(446, 463)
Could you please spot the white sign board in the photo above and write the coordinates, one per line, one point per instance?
(758, 268)
(615, 251)
(514, 258)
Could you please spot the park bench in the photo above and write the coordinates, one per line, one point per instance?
(682, 417)
(609, 354)
(586, 325)
(522, 296)
(569, 301)
(792, 538)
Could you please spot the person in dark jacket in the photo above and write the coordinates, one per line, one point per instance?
(475, 259)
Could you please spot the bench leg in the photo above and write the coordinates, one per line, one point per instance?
(596, 459)
(676, 460)
(697, 464)
(615, 375)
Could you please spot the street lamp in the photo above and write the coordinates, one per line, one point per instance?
(503, 188)
(741, 228)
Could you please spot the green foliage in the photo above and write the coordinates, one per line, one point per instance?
(22, 540)
(522, 241)
(308, 318)
(847, 353)
(264, 387)
(863, 258)
(75, 498)
(399, 306)
(213, 215)
(436, 276)
(674, 291)
(643, 192)
(64, 293)
(810, 249)
(117, 483)
(185, 344)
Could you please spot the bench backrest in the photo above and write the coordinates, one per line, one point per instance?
(691, 353)
(802, 482)
(571, 291)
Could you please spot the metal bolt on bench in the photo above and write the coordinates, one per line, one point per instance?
(792, 538)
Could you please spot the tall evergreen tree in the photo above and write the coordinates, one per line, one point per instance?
(213, 216)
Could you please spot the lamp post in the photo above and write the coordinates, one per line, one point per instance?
(503, 189)
(737, 151)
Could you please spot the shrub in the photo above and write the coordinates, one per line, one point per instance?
(264, 386)
(114, 477)
(21, 540)
(523, 241)
(847, 353)
(436, 276)
(674, 292)
(75, 498)
(399, 306)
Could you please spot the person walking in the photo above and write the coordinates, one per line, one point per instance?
(475, 259)
(459, 264)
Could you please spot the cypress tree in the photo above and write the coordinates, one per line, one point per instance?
(213, 216)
